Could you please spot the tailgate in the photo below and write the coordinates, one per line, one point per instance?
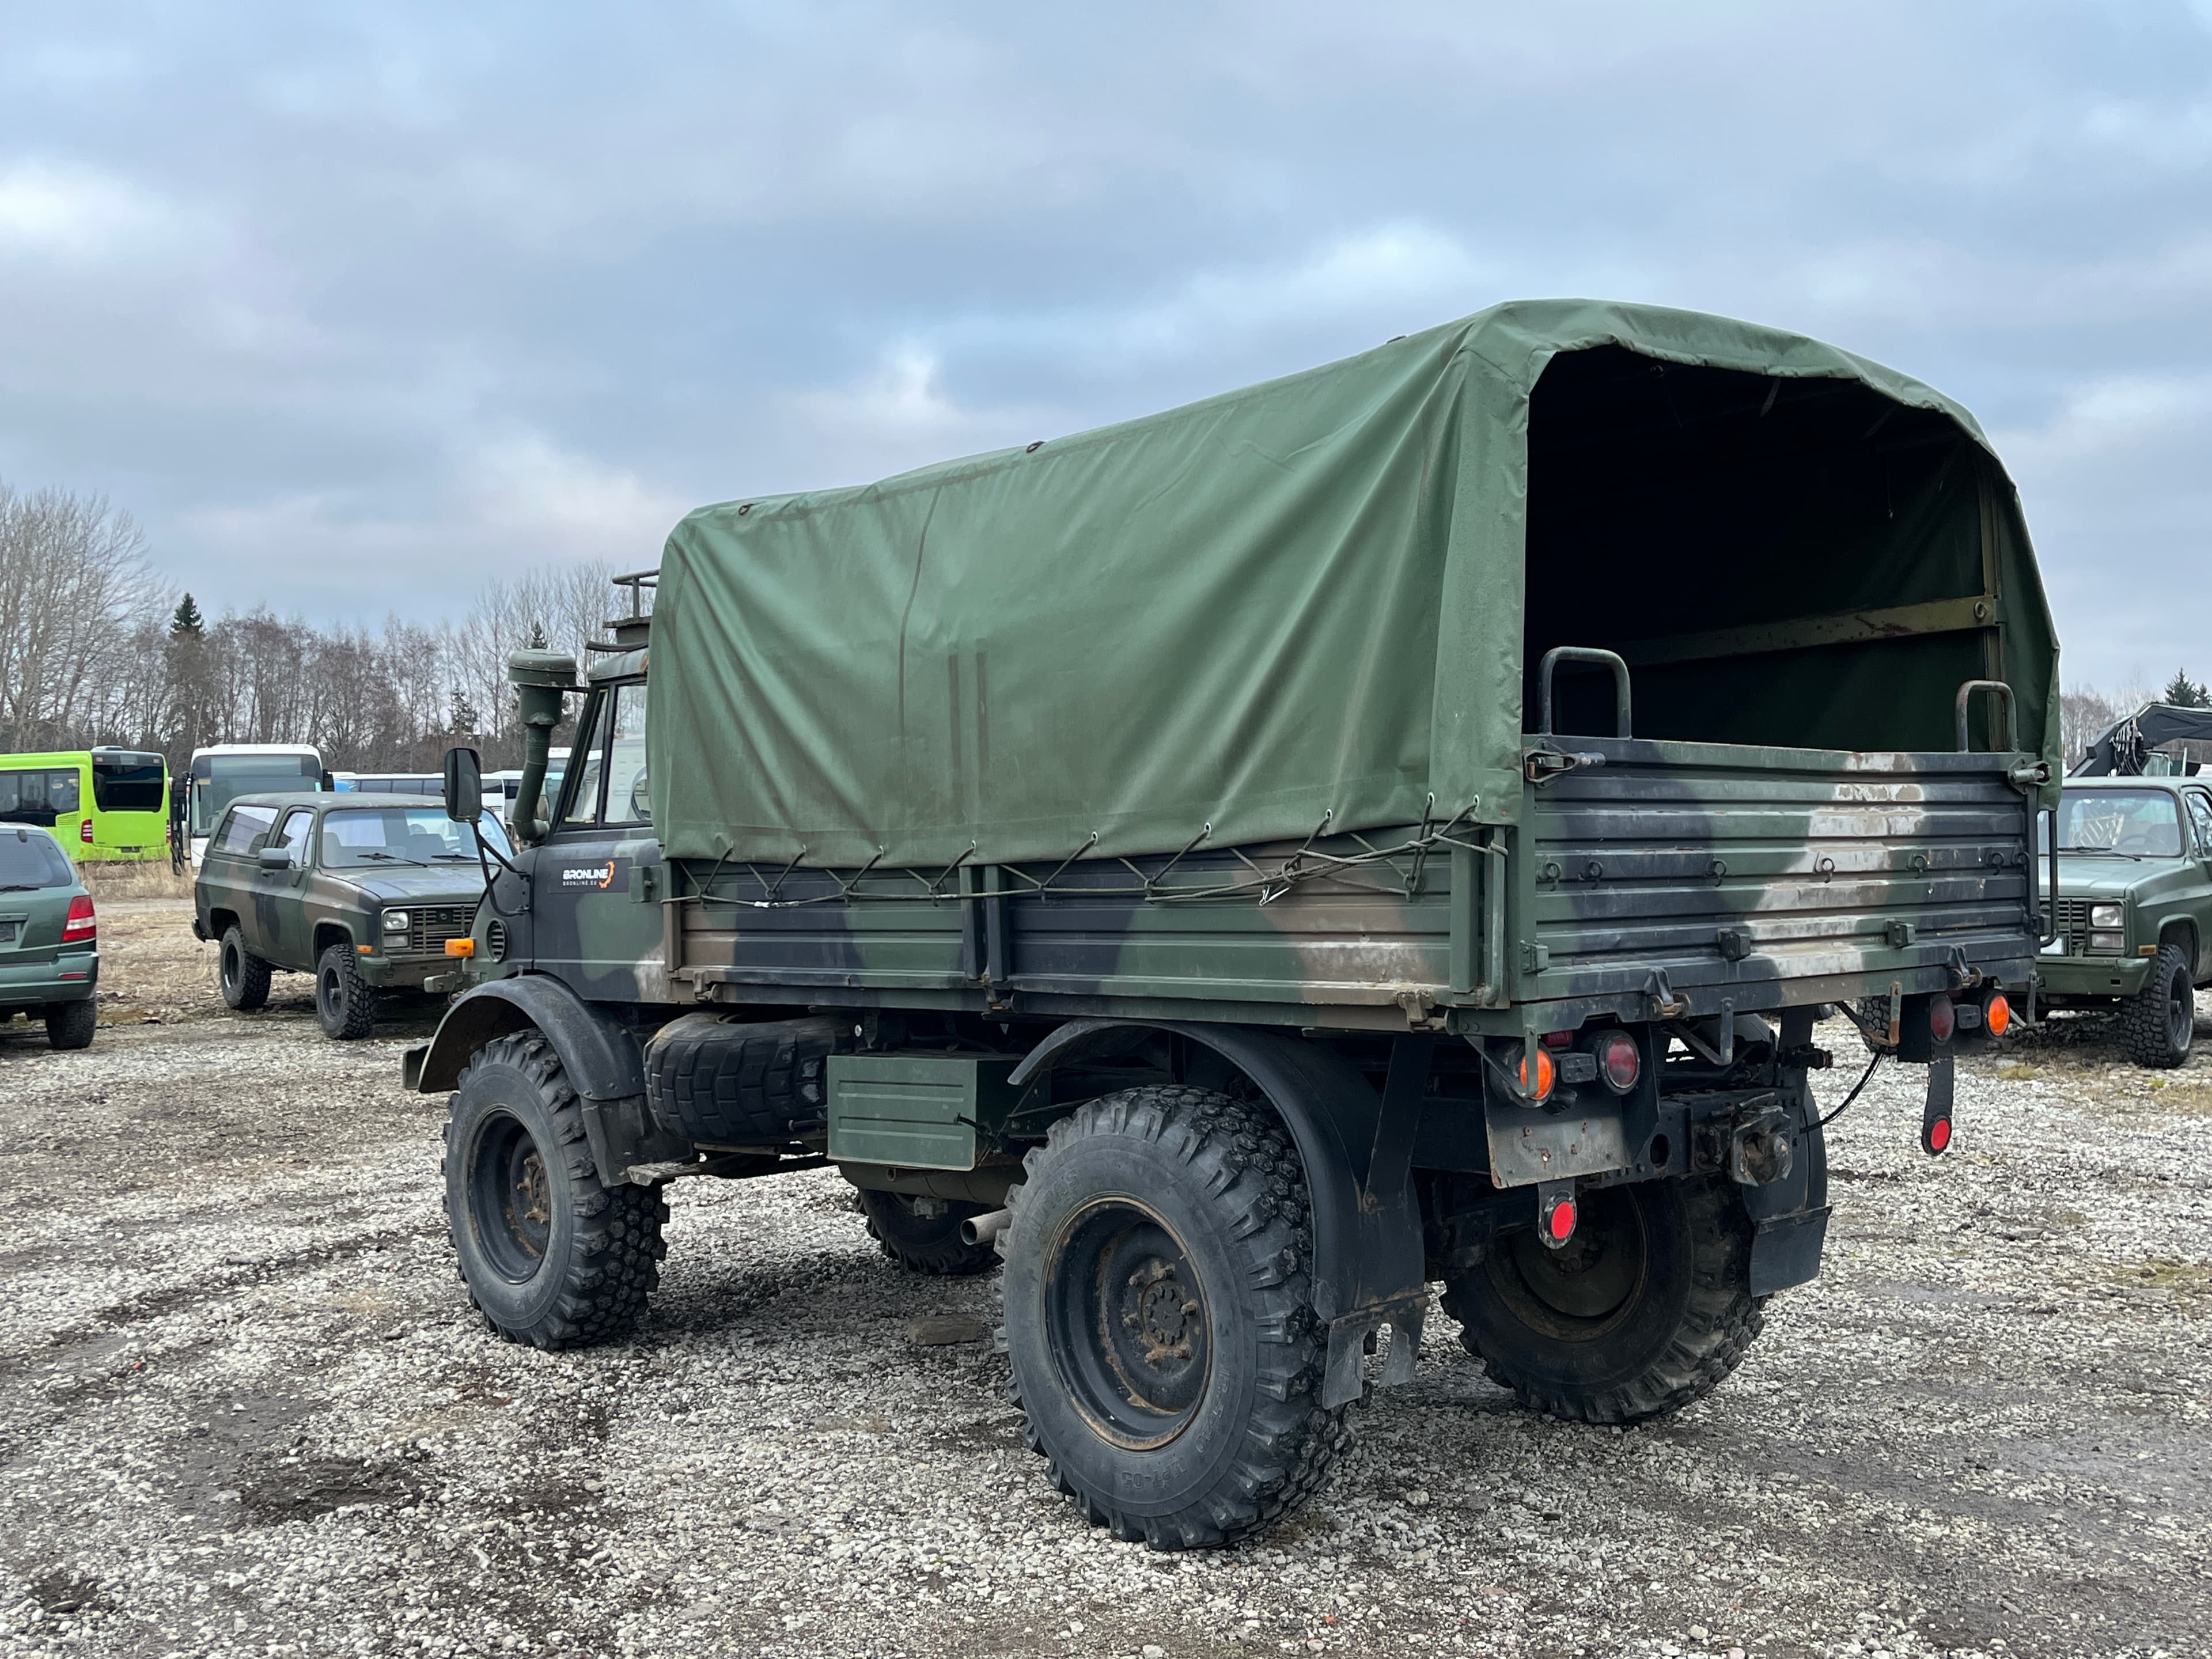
(1775, 877)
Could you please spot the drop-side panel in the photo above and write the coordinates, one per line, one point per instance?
(1790, 873)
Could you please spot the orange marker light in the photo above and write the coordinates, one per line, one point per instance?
(1997, 1018)
(1547, 1074)
(460, 947)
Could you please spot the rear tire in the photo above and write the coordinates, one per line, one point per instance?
(1645, 1309)
(551, 1255)
(925, 1244)
(71, 1024)
(1159, 1318)
(244, 976)
(344, 1001)
(2159, 1022)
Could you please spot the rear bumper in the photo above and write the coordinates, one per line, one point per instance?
(2091, 976)
(69, 978)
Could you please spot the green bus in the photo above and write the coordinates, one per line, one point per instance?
(102, 804)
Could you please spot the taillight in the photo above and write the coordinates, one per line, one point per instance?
(1620, 1061)
(84, 832)
(1996, 1015)
(81, 925)
(1547, 1074)
(1943, 1019)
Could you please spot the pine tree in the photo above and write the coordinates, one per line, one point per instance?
(536, 637)
(2183, 693)
(187, 620)
(463, 720)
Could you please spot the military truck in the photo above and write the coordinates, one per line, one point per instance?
(1397, 825)
(2133, 927)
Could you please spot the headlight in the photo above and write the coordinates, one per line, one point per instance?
(2107, 915)
(395, 921)
(2108, 945)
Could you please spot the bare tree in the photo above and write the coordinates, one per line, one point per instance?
(73, 579)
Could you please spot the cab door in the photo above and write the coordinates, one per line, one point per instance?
(596, 891)
(280, 916)
(2198, 805)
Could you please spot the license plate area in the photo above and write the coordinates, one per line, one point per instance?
(9, 927)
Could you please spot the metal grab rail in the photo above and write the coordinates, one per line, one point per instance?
(1963, 707)
(1585, 654)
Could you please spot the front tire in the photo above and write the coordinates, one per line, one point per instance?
(1647, 1308)
(2159, 1022)
(551, 1255)
(244, 976)
(71, 1024)
(1159, 1318)
(345, 1003)
(926, 1244)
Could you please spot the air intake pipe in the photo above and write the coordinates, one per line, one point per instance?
(542, 681)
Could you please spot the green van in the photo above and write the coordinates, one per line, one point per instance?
(49, 939)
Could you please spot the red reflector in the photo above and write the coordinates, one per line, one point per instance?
(81, 925)
(1942, 1019)
(1997, 1018)
(1618, 1058)
(1561, 1221)
(1939, 1133)
(1558, 1039)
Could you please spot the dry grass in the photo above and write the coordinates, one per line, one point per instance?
(149, 879)
(152, 967)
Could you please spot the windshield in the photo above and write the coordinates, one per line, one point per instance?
(218, 780)
(126, 782)
(365, 838)
(28, 857)
(2131, 823)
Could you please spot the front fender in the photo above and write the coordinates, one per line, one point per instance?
(1357, 1147)
(599, 1052)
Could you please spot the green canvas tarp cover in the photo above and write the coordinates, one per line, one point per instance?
(1298, 601)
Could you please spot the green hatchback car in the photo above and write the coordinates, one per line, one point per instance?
(361, 891)
(49, 939)
(2134, 927)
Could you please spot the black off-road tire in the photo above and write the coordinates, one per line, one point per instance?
(1646, 1309)
(345, 1003)
(1164, 1235)
(926, 1244)
(243, 975)
(551, 1254)
(2159, 1022)
(71, 1024)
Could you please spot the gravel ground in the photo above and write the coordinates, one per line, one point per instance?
(243, 1409)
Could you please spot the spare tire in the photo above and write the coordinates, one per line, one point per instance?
(738, 1083)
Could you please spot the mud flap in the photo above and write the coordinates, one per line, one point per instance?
(1786, 1250)
(1344, 1378)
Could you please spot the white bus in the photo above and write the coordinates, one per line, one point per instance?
(223, 771)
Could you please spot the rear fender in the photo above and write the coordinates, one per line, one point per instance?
(600, 1054)
(1357, 1147)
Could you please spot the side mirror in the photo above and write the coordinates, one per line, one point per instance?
(464, 785)
(276, 857)
(328, 782)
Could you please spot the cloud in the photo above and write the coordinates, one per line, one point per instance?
(75, 213)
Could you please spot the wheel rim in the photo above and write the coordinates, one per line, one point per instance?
(1581, 1291)
(328, 997)
(230, 973)
(510, 1198)
(1127, 1320)
(2180, 1010)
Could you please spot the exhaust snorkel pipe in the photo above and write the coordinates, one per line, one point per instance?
(542, 680)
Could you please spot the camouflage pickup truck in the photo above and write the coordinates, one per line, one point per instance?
(1395, 826)
(2133, 930)
(364, 897)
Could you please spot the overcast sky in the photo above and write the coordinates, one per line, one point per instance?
(355, 306)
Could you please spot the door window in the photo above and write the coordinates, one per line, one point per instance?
(294, 838)
(586, 760)
(2200, 815)
(629, 801)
